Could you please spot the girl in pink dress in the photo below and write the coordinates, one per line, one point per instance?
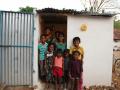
(58, 69)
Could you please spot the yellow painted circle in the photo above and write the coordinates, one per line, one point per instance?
(83, 27)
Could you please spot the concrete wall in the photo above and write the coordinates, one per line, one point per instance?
(97, 42)
(35, 58)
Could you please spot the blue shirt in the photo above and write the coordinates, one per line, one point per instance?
(61, 46)
(42, 48)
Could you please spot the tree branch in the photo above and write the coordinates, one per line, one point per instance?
(90, 3)
(99, 6)
(104, 2)
(95, 1)
(84, 4)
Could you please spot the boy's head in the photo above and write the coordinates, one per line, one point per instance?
(51, 47)
(76, 41)
(57, 34)
(66, 52)
(61, 36)
(76, 54)
(48, 30)
(59, 52)
(43, 38)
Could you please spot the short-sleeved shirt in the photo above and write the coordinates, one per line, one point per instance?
(80, 49)
(61, 46)
(43, 49)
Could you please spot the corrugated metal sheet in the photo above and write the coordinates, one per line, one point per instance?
(16, 48)
(0, 49)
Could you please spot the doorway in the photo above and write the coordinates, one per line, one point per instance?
(55, 22)
(58, 23)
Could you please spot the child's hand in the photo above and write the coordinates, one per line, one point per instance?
(63, 73)
(70, 77)
(51, 66)
(45, 66)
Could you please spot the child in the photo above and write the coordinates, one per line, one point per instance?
(42, 48)
(55, 39)
(58, 69)
(60, 44)
(48, 33)
(66, 68)
(76, 47)
(49, 62)
(75, 71)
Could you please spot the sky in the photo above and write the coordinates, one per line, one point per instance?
(13, 5)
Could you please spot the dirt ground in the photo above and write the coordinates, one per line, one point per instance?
(16, 88)
(116, 70)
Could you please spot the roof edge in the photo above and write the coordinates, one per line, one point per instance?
(72, 12)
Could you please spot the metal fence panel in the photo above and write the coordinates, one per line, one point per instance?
(16, 48)
(0, 48)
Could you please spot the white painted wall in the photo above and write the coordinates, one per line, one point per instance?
(36, 83)
(35, 58)
(97, 42)
(98, 45)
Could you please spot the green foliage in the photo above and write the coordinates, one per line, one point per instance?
(117, 24)
(26, 9)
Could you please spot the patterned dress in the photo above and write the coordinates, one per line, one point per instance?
(49, 63)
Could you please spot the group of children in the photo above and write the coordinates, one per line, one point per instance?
(57, 63)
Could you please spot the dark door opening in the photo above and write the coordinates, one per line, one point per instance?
(54, 21)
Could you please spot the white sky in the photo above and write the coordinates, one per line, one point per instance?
(13, 5)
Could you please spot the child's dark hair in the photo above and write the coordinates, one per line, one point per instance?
(52, 44)
(76, 52)
(59, 51)
(66, 51)
(48, 28)
(61, 33)
(76, 38)
(57, 32)
(42, 36)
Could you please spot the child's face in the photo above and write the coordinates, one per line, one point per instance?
(48, 31)
(43, 39)
(76, 56)
(59, 54)
(51, 48)
(66, 54)
(57, 34)
(76, 43)
(61, 38)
